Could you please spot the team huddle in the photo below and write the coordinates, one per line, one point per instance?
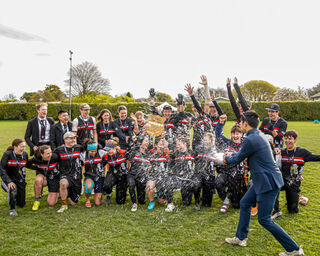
(121, 153)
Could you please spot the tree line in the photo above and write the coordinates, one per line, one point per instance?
(88, 85)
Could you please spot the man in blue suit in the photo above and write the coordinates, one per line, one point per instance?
(267, 181)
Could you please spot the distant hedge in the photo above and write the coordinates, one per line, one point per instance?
(291, 111)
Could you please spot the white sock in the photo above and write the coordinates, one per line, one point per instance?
(226, 200)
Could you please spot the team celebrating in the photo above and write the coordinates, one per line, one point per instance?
(92, 155)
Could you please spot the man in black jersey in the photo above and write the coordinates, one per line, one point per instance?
(70, 170)
(274, 125)
(84, 126)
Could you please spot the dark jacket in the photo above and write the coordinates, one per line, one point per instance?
(32, 133)
(265, 174)
(56, 135)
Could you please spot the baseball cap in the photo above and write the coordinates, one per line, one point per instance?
(167, 107)
(109, 146)
(69, 135)
(273, 107)
(84, 106)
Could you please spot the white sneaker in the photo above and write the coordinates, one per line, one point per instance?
(13, 213)
(63, 208)
(293, 253)
(276, 215)
(170, 208)
(134, 208)
(237, 241)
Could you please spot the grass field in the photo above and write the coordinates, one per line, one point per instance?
(115, 230)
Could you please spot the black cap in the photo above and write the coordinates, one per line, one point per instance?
(167, 107)
(273, 107)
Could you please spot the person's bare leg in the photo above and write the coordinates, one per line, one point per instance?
(150, 190)
(64, 184)
(52, 198)
(97, 198)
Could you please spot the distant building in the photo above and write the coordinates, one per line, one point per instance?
(316, 96)
(222, 99)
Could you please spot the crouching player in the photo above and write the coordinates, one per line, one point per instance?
(70, 170)
(13, 174)
(293, 159)
(94, 165)
(47, 174)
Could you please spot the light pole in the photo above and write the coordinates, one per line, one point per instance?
(70, 58)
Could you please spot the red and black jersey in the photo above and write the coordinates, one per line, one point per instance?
(201, 125)
(205, 160)
(47, 168)
(292, 164)
(84, 129)
(182, 164)
(280, 126)
(94, 166)
(182, 122)
(159, 162)
(140, 162)
(108, 131)
(117, 163)
(12, 167)
(69, 161)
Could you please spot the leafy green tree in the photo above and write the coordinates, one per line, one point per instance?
(162, 97)
(27, 96)
(42, 96)
(55, 91)
(258, 90)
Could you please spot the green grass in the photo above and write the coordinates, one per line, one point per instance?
(117, 231)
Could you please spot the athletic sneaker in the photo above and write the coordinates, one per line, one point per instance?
(134, 208)
(236, 241)
(35, 206)
(276, 215)
(13, 213)
(293, 253)
(197, 207)
(155, 196)
(107, 202)
(63, 208)
(151, 205)
(170, 208)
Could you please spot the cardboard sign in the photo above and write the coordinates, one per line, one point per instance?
(155, 125)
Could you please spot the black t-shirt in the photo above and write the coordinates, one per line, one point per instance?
(69, 161)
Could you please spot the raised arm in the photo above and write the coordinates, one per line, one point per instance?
(245, 106)
(204, 82)
(197, 105)
(233, 101)
(219, 110)
(219, 129)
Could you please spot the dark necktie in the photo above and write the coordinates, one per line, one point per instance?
(64, 128)
(43, 130)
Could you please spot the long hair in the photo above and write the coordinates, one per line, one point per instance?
(40, 151)
(15, 143)
(102, 112)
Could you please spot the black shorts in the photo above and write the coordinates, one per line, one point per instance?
(74, 189)
(53, 185)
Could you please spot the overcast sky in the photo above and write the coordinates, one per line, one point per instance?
(162, 44)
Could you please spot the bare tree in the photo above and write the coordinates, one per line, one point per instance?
(87, 78)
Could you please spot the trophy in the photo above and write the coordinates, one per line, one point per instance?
(155, 125)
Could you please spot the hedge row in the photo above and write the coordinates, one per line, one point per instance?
(291, 111)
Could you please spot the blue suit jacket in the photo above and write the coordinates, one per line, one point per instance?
(265, 174)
